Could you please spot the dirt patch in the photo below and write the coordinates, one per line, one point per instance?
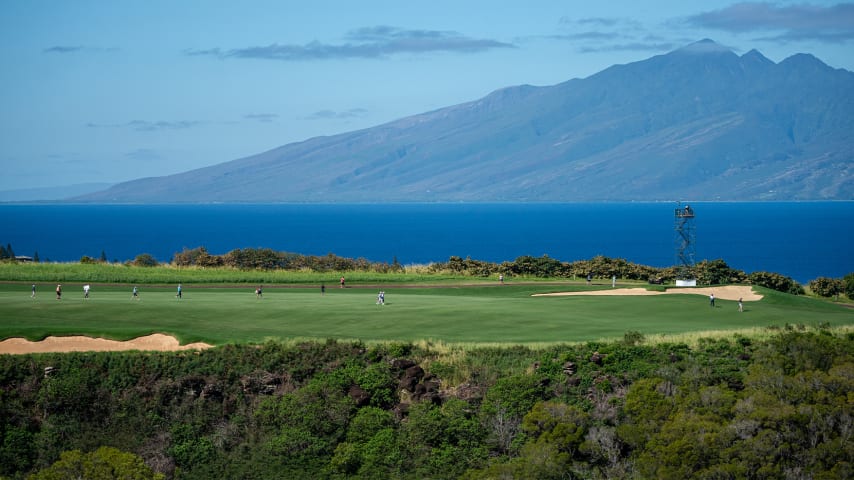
(155, 342)
(728, 292)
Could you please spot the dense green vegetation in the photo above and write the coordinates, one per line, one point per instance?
(728, 408)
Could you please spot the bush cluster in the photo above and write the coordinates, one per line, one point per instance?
(269, 259)
(599, 267)
(775, 281)
(827, 287)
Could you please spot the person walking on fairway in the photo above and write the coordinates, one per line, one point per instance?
(322, 289)
(86, 292)
(259, 292)
(342, 281)
(740, 305)
(59, 292)
(135, 295)
(34, 291)
(178, 296)
(712, 300)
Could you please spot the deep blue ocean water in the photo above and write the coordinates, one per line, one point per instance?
(801, 240)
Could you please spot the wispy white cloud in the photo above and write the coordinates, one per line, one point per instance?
(63, 49)
(367, 42)
(610, 34)
(149, 126)
(630, 46)
(587, 36)
(621, 23)
(832, 23)
(144, 155)
(337, 115)
(261, 117)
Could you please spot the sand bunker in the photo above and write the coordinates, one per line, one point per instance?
(157, 342)
(729, 292)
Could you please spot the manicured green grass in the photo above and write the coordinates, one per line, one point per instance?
(479, 314)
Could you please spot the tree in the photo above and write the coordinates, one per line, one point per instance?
(17, 449)
(506, 403)
(848, 285)
(10, 251)
(36, 257)
(559, 424)
(145, 260)
(106, 463)
(717, 272)
(826, 287)
(198, 256)
(103, 258)
(775, 281)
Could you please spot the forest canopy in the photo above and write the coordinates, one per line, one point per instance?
(723, 408)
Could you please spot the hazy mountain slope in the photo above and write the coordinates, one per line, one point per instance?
(50, 193)
(698, 123)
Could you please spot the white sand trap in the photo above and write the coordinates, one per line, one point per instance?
(156, 342)
(728, 292)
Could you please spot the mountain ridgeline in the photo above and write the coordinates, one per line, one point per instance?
(698, 123)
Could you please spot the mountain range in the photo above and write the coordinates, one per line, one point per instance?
(698, 123)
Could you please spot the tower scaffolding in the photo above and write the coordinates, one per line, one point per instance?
(685, 240)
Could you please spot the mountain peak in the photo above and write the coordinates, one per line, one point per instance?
(804, 60)
(704, 46)
(754, 56)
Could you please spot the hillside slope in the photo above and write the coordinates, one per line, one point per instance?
(698, 123)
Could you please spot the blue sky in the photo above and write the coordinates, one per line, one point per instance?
(108, 91)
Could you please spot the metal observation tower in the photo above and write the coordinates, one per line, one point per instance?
(685, 239)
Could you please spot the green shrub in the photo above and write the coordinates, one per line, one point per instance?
(633, 337)
(102, 464)
(717, 272)
(848, 285)
(775, 281)
(145, 260)
(826, 287)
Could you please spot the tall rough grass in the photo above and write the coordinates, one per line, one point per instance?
(167, 274)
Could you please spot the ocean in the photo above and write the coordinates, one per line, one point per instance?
(803, 240)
